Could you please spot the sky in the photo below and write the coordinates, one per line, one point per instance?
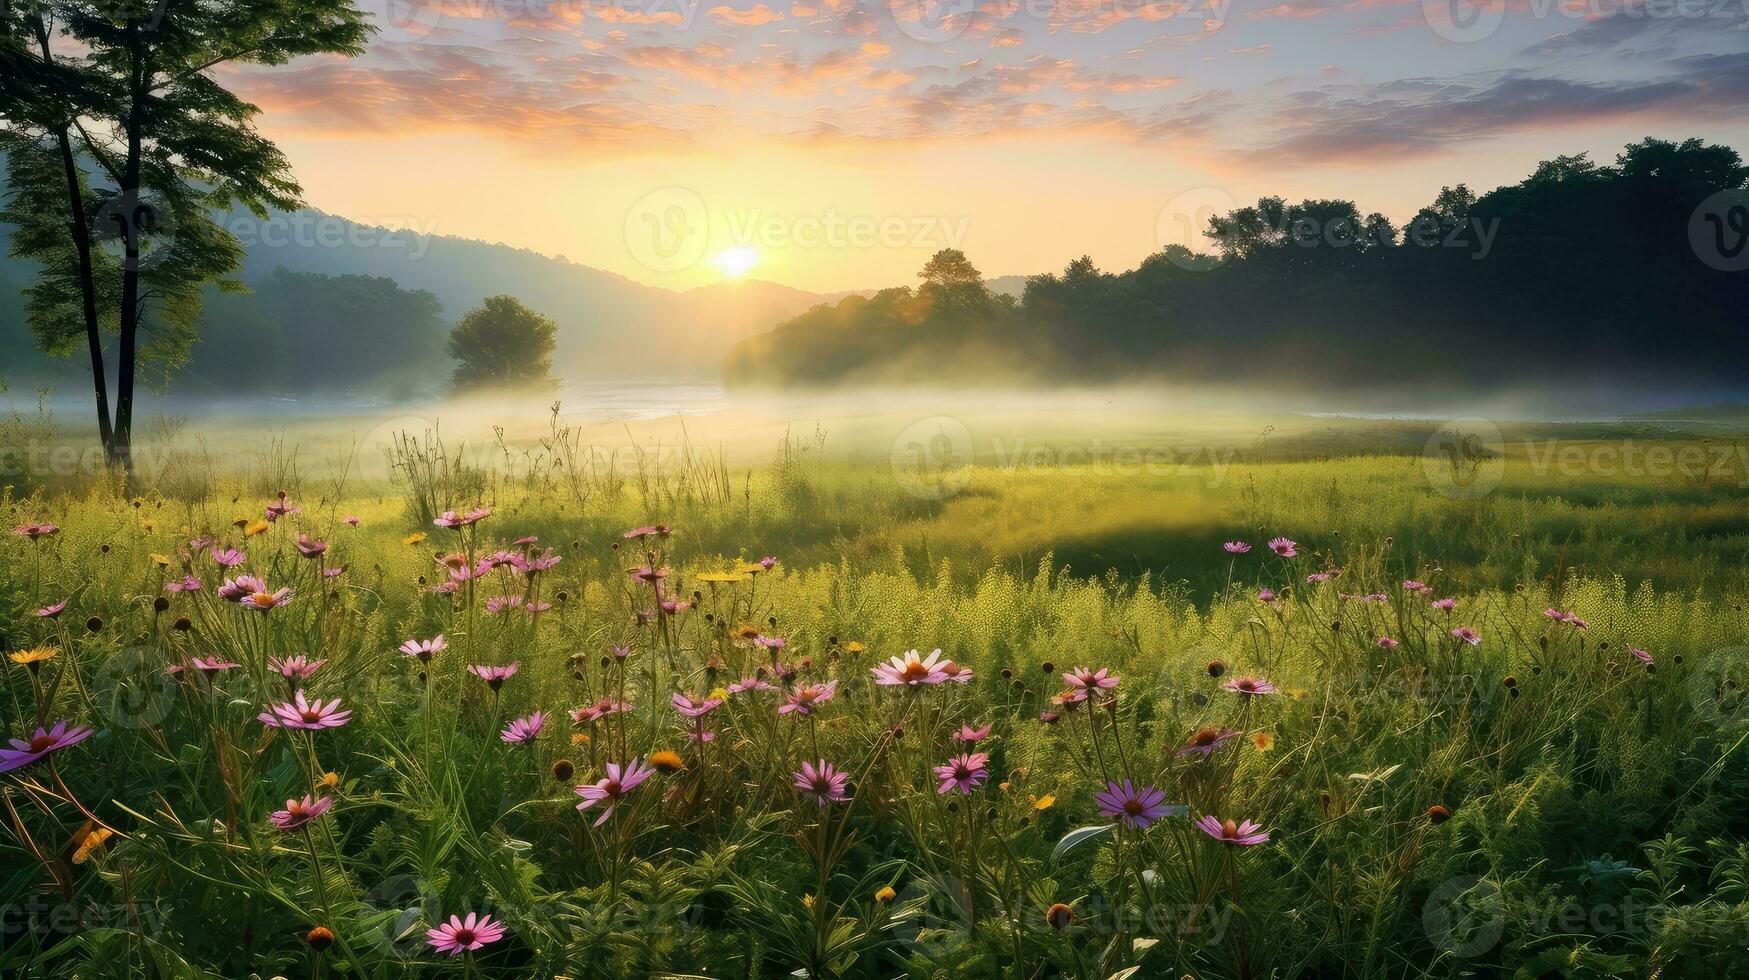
(837, 144)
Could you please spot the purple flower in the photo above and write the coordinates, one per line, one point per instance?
(309, 547)
(1249, 686)
(1236, 547)
(300, 812)
(970, 735)
(35, 531)
(804, 699)
(228, 557)
(1136, 808)
(305, 714)
(691, 708)
(458, 936)
(450, 518)
(188, 583)
(613, 787)
(54, 739)
(494, 676)
(1265, 595)
(1236, 834)
(822, 781)
(1445, 605)
(298, 668)
(1468, 635)
(54, 610)
(424, 649)
(524, 729)
(1285, 547)
(1642, 655)
(963, 772)
(1386, 643)
(750, 684)
(1083, 682)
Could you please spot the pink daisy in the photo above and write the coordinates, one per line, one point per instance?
(1249, 686)
(1468, 635)
(613, 787)
(1236, 547)
(53, 610)
(1285, 547)
(1206, 741)
(45, 741)
(424, 649)
(458, 936)
(804, 699)
(493, 675)
(524, 729)
(970, 735)
(694, 708)
(1227, 832)
(1135, 807)
(823, 782)
(911, 670)
(298, 668)
(963, 772)
(300, 812)
(300, 712)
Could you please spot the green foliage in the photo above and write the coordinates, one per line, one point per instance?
(503, 344)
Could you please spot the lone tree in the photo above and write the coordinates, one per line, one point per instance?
(953, 286)
(503, 343)
(120, 144)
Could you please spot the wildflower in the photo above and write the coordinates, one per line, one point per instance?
(91, 843)
(309, 547)
(613, 787)
(1468, 635)
(45, 741)
(280, 507)
(424, 649)
(1386, 643)
(1285, 547)
(1264, 741)
(1642, 655)
(300, 712)
(1136, 808)
(334, 572)
(1266, 595)
(1438, 814)
(885, 894)
(648, 576)
(667, 760)
(451, 519)
(329, 780)
(691, 708)
(211, 665)
(33, 658)
(1236, 547)
(1317, 577)
(459, 936)
(956, 673)
(320, 938)
(804, 699)
(1445, 605)
(1410, 585)
(54, 610)
(36, 531)
(1206, 741)
(1045, 802)
(300, 812)
(1227, 832)
(970, 735)
(228, 557)
(416, 538)
(188, 583)
(1083, 682)
(1249, 686)
(1059, 916)
(493, 675)
(910, 671)
(1049, 717)
(770, 642)
(964, 772)
(823, 781)
(524, 730)
(298, 668)
(750, 684)
(640, 533)
(255, 528)
(350, 519)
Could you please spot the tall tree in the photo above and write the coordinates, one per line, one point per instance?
(502, 343)
(167, 146)
(953, 286)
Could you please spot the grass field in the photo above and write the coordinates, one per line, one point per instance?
(1545, 777)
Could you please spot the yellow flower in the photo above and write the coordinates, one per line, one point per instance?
(162, 561)
(720, 693)
(329, 780)
(36, 655)
(722, 577)
(808, 900)
(855, 646)
(415, 538)
(578, 738)
(259, 527)
(1044, 802)
(886, 894)
(1264, 741)
(746, 632)
(666, 760)
(93, 842)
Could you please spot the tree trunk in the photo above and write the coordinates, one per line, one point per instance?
(130, 274)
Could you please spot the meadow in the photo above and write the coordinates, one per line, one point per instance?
(1220, 697)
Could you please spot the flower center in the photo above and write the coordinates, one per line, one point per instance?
(914, 670)
(1133, 807)
(311, 716)
(261, 599)
(42, 743)
(463, 936)
(1206, 737)
(1229, 828)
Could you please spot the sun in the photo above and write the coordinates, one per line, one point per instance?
(736, 262)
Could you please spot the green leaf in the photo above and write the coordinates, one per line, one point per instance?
(1080, 835)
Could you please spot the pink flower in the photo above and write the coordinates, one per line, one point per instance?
(524, 729)
(228, 557)
(613, 787)
(279, 508)
(1083, 682)
(750, 684)
(691, 708)
(1227, 832)
(1445, 605)
(1386, 643)
(188, 583)
(54, 739)
(970, 735)
(300, 812)
(493, 675)
(804, 699)
(424, 649)
(305, 714)
(964, 773)
(310, 547)
(1237, 547)
(459, 936)
(1643, 656)
(1468, 635)
(212, 665)
(1249, 686)
(1410, 585)
(648, 575)
(1206, 741)
(35, 531)
(954, 672)
(351, 520)
(1135, 807)
(771, 642)
(1285, 547)
(910, 671)
(823, 782)
(298, 668)
(53, 610)
(1265, 595)
(249, 592)
(640, 533)
(451, 519)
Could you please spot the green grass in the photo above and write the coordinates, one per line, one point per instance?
(1597, 804)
